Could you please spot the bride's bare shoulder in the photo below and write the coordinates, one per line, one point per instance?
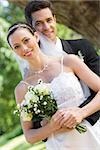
(20, 91)
(70, 58)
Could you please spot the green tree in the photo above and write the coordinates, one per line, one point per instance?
(9, 75)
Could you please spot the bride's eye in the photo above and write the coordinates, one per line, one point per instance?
(16, 47)
(26, 40)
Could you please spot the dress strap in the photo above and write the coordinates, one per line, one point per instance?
(25, 82)
(62, 63)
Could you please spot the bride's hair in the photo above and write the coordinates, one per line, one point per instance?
(17, 25)
(23, 64)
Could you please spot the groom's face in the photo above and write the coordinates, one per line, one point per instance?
(45, 23)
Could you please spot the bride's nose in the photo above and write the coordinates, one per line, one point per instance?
(25, 48)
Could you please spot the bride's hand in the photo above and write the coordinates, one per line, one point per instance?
(71, 117)
(55, 120)
(44, 122)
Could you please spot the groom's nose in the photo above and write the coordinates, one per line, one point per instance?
(46, 26)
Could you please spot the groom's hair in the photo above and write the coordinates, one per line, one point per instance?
(18, 25)
(34, 6)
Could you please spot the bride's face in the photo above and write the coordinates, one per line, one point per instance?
(24, 43)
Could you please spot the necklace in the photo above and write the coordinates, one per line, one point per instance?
(42, 70)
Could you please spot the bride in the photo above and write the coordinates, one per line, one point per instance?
(59, 73)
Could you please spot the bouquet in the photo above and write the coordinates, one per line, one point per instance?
(39, 103)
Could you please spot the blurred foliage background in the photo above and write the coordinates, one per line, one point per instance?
(9, 71)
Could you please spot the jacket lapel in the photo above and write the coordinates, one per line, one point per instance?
(66, 47)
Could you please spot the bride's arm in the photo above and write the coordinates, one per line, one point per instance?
(34, 135)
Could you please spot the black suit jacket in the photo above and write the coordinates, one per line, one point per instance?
(91, 59)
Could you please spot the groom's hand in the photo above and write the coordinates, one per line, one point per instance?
(71, 117)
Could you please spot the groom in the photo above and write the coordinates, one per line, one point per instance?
(39, 14)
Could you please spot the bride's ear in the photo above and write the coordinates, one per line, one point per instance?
(37, 36)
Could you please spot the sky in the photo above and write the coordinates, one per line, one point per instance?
(4, 3)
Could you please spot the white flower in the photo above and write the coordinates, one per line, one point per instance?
(30, 87)
(18, 106)
(37, 112)
(51, 95)
(23, 103)
(35, 98)
(35, 105)
(80, 55)
(15, 111)
(35, 109)
(26, 116)
(41, 97)
(30, 97)
(45, 103)
(42, 89)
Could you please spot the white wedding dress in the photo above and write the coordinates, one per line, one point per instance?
(68, 92)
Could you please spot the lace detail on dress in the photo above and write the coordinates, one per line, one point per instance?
(67, 90)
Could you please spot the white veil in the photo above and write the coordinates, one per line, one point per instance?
(49, 47)
(23, 65)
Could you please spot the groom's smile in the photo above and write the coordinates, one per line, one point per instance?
(45, 23)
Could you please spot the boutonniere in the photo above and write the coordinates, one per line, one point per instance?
(80, 55)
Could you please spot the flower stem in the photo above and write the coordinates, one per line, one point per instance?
(81, 128)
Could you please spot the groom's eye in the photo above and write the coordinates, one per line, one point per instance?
(37, 23)
(49, 20)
